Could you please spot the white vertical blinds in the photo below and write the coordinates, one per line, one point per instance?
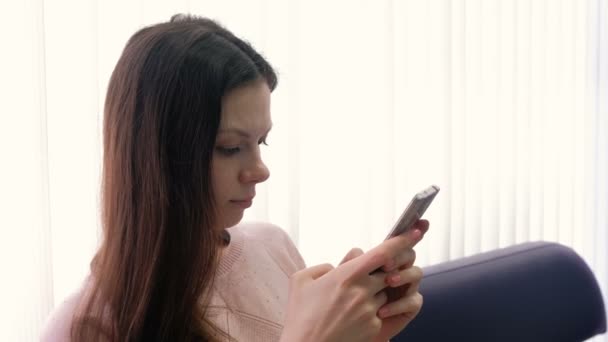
(504, 104)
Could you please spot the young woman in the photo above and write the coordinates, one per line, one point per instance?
(187, 108)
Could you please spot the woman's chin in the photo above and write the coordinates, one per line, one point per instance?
(231, 221)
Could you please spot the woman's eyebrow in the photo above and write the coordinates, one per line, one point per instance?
(239, 131)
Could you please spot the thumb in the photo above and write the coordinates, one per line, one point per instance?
(315, 272)
(353, 253)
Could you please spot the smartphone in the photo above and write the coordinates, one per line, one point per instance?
(414, 211)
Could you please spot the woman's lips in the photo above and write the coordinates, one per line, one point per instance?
(245, 203)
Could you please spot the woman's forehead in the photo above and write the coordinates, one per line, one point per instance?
(247, 109)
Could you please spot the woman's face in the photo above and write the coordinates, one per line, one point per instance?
(237, 165)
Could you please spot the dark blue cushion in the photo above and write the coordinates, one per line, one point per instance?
(535, 291)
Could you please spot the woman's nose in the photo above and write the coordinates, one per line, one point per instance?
(256, 173)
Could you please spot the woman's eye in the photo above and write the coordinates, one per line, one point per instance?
(229, 151)
(263, 141)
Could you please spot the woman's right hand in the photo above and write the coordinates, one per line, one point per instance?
(341, 304)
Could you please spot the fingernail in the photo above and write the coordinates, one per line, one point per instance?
(417, 233)
(383, 312)
(395, 279)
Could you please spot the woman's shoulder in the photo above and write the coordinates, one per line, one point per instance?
(263, 231)
(59, 322)
(275, 239)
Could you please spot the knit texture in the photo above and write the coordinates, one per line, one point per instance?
(250, 291)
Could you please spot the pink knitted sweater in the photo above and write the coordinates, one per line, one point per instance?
(250, 291)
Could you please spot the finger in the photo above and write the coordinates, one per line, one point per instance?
(379, 281)
(376, 282)
(406, 276)
(413, 288)
(365, 264)
(380, 299)
(385, 253)
(404, 259)
(409, 306)
(353, 253)
(423, 225)
(313, 272)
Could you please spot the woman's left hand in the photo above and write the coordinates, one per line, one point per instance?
(404, 300)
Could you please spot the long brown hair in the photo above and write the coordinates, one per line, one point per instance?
(151, 277)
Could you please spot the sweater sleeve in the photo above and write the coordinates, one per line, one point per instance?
(59, 322)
